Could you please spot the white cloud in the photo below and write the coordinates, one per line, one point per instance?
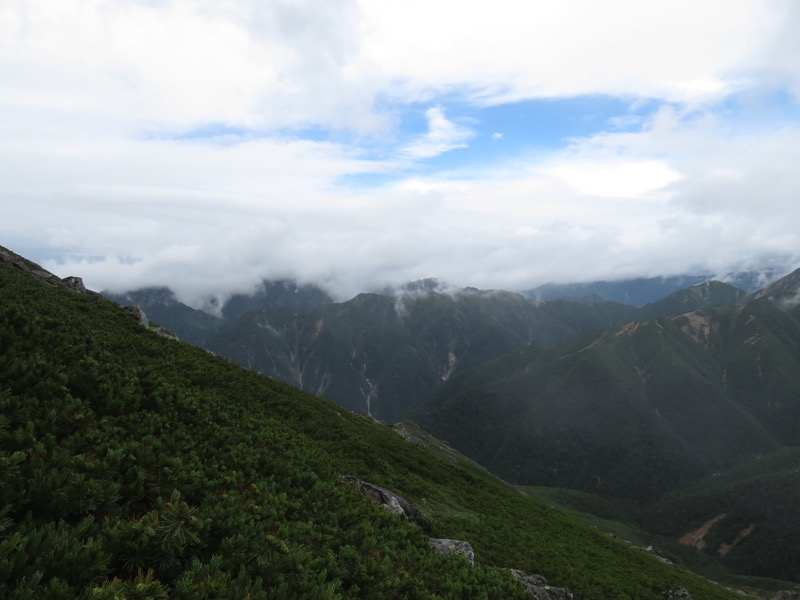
(94, 169)
(175, 64)
(619, 178)
(678, 50)
(442, 136)
(178, 64)
(273, 210)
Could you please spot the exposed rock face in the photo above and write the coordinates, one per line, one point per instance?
(789, 594)
(539, 589)
(389, 500)
(75, 284)
(677, 593)
(460, 547)
(139, 315)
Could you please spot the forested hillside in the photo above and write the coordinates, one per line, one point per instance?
(378, 354)
(650, 408)
(381, 354)
(747, 517)
(136, 466)
(635, 411)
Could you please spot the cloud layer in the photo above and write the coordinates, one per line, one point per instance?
(206, 145)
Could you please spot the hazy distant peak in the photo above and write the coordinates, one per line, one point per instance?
(428, 285)
(785, 291)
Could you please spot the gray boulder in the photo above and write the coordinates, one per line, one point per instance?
(539, 589)
(459, 547)
(75, 284)
(392, 502)
(677, 593)
(139, 315)
(789, 594)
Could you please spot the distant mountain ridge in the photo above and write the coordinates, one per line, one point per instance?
(723, 372)
(647, 290)
(700, 295)
(381, 354)
(648, 408)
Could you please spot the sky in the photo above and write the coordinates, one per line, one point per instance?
(355, 144)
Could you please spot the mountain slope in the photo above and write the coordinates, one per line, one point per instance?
(701, 295)
(636, 292)
(633, 412)
(651, 408)
(745, 517)
(646, 290)
(138, 466)
(381, 354)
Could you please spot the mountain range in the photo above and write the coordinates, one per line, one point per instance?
(652, 412)
(381, 353)
(655, 402)
(646, 290)
(628, 403)
(138, 466)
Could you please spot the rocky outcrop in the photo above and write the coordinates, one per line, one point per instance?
(138, 314)
(75, 284)
(789, 594)
(676, 593)
(71, 283)
(539, 589)
(458, 547)
(392, 502)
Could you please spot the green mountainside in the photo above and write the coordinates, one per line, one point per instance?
(746, 517)
(636, 292)
(380, 354)
(636, 411)
(701, 295)
(650, 408)
(739, 525)
(137, 466)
